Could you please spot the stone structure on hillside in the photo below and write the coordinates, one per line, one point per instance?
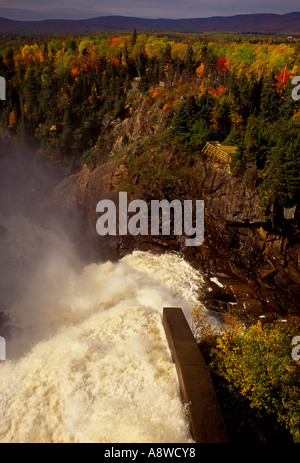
(220, 153)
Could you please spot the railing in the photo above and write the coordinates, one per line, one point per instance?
(216, 151)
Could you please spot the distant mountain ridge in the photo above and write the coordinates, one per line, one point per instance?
(253, 23)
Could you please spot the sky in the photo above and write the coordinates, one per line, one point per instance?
(79, 9)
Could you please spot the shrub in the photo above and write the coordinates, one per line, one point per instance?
(256, 362)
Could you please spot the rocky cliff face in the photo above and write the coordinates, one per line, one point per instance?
(257, 264)
(258, 267)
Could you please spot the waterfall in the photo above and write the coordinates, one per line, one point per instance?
(87, 357)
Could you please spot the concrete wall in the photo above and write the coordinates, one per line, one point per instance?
(206, 422)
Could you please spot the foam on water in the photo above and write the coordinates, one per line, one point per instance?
(88, 360)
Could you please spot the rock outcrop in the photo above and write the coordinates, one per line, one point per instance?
(257, 266)
(256, 262)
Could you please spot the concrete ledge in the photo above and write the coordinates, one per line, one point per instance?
(197, 390)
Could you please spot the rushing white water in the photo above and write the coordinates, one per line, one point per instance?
(88, 360)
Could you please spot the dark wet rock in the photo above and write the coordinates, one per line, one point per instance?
(216, 305)
(254, 307)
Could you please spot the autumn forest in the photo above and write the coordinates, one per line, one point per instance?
(234, 89)
(146, 104)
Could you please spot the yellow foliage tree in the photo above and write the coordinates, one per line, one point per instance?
(256, 361)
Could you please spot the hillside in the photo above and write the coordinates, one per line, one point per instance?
(251, 23)
(133, 113)
(183, 117)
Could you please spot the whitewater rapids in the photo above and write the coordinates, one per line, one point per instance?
(87, 357)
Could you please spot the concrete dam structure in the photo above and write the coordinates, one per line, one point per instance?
(206, 422)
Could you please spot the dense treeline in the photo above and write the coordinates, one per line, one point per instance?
(232, 89)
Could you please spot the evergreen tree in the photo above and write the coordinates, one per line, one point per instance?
(190, 62)
(256, 87)
(238, 164)
(270, 100)
(233, 139)
(133, 38)
(223, 119)
(282, 177)
(256, 144)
